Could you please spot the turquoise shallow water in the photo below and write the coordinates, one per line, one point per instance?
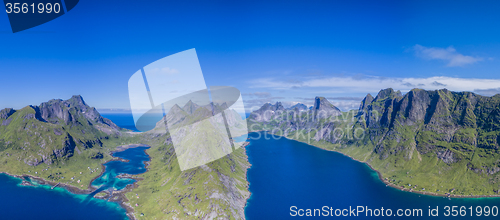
(135, 165)
(287, 173)
(41, 202)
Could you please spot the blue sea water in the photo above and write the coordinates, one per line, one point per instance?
(287, 173)
(124, 120)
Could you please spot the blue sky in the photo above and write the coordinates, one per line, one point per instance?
(285, 51)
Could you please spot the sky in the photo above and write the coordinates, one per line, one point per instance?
(287, 51)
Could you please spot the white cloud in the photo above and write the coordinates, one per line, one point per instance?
(258, 94)
(346, 105)
(166, 70)
(488, 92)
(169, 70)
(450, 55)
(373, 84)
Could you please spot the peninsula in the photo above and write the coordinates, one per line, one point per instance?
(63, 143)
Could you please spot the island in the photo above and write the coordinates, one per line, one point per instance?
(64, 143)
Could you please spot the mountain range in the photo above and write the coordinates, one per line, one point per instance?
(441, 141)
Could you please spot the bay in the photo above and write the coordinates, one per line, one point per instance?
(110, 179)
(41, 202)
(286, 173)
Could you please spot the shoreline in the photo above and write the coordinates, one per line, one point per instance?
(387, 183)
(119, 196)
(127, 146)
(246, 175)
(113, 196)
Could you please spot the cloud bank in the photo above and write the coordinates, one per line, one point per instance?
(449, 55)
(373, 84)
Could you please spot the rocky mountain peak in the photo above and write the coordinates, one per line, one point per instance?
(224, 106)
(77, 100)
(175, 109)
(366, 101)
(6, 112)
(190, 107)
(270, 107)
(57, 111)
(278, 107)
(388, 93)
(69, 112)
(298, 106)
(322, 105)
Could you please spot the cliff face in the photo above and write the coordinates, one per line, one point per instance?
(434, 121)
(441, 134)
(323, 108)
(66, 112)
(54, 130)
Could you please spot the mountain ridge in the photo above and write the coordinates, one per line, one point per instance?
(69, 122)
(458, 132)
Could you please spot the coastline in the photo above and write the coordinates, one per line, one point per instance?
(387, 183)
(127, 146)
(115, 196)
(119, 196)
(246, 177)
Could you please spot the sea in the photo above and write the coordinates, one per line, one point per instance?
(287, 178)
(288, 175)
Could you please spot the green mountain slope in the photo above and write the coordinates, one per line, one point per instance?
(55, 141)
(67, 141)
(436, 141)
(218, 189)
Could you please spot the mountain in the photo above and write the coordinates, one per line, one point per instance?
(67, 141)
(442, 141)
(323, 108)
(298, 107)
(365, 102)
(276, 107)
(216, 188)
(190, 107)
(267, 111)
(54, 130)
